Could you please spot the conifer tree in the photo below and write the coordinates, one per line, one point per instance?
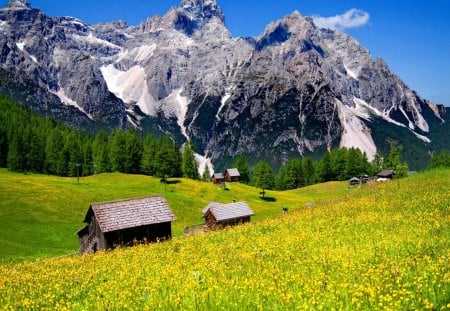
(100, 152)
(132, 154)
(308, 170)
(117, 145)
(263, 177)
(281, 179)
(168, 158)
(189, 165)
(150, 149)
(242, 165)
(393, 158)
(206, 174)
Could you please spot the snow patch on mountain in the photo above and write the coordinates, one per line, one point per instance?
(350, 72)
(204, 162)
(223, 101)
(355, 133)
(138, 54)
(176, 105)
(61, 93)
(92, 40)
(130, 86)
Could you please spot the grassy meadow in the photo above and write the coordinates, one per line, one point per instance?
(381, 247)
(39, 214)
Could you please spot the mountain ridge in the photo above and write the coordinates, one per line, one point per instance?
(295, 88)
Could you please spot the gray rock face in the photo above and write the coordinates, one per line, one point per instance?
(294, 90)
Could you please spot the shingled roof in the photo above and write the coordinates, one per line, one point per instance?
(233, 172)
(211, 204)
(222, 212)
(218, 176)
(125, 214)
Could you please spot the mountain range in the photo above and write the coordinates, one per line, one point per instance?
(294, 90)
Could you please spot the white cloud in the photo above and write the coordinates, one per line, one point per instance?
(351, 19)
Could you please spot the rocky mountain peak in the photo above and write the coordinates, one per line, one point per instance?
(18, 5)
(201, 10)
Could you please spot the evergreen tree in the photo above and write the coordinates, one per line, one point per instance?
(189, 165)
(16, 153)
(117, 147)
(207, 174)
(281, 179)
(263, 177)
(88, 160)
(308, 170)
(441, 159)
(148, 165)
(294, 174)
(168, 158)
(100, 152)
(53, 147)
(392, 159)
(326, 171)
(401, 170)
(339, 163)
(3, 147)
(378, 162)
(133, 152)
(242, 165)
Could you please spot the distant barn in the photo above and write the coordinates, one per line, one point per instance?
(385, 175)
(232, 175)
(354, 181)
(220, 214)
(122, 223)
(218, 178)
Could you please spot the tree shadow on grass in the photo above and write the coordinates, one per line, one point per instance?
(268, 199)
(171, 182)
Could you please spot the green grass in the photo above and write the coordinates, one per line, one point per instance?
(382, 247)
(39, 215)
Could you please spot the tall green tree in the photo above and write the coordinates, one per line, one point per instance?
(339, 163)
(440, 159)
(206, 174)
(133, 152)
(149, 165)
(100, 152)
(189, 165)
(308, 170)
(168, 158)
(242, 165)
(117, 145)
(263, 177)
(16, 152)
(3, 147)
(281, 178)
(392, 159)
(53, 147)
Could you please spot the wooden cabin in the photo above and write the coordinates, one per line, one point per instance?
(220, 214)
(354, 181)
(125, 223)
(232, 175)
(385, 175)
(218, 179)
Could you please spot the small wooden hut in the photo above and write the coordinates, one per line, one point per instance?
(125, 222)
(354, 181)
(385, 175)
(218, 179)
(220, 214)
(232, 175)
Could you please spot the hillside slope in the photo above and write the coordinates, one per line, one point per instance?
(385, 247)
(39, 215)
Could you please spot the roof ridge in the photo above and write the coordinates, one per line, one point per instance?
(129, 199)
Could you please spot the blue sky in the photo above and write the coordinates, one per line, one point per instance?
(412, 36)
